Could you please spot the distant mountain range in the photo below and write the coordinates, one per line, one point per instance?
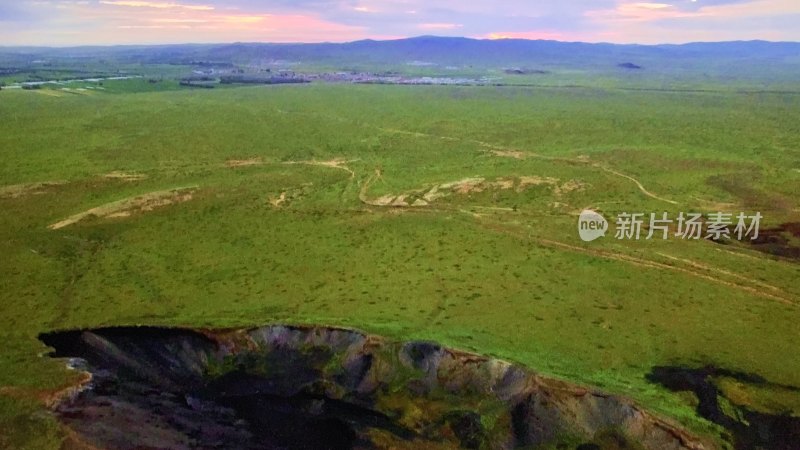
(449, 51)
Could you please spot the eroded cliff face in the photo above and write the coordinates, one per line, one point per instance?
(319, 387)
(749, 426)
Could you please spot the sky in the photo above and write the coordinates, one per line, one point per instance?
(107, 22)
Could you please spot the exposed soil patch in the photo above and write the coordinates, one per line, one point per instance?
(582, 160)
(125, 176)
(232, 163)
(286, 197)
(340, 164)
(469, 186)
(21, 190)
(525, 182)
(278, 201)
(749, 429)
(509, 154)
(465, 186)
(569, 186)
(130, 206)
(315, 387)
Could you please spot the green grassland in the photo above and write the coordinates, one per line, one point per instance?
(500, 272)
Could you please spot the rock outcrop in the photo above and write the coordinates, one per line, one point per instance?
(321, 387)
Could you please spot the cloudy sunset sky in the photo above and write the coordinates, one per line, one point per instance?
(105, 22)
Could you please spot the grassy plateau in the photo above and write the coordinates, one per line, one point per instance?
(293, 204)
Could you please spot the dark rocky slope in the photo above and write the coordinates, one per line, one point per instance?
(316, 387)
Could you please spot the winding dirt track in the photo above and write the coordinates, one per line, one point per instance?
(695, 269)
(333, 164)
(748, 285)
(691, 268)
(779, 296)
(508, 152)
(496, 150)
(638, 183)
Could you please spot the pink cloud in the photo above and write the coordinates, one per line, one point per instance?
(70, 22)
(170, 22)
(543, 35)
(640, 12)
(157, 5)
(656, 22)
(439, 26)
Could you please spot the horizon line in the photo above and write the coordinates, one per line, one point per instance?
(477, 39)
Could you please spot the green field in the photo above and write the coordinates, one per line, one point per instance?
(279, 219)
